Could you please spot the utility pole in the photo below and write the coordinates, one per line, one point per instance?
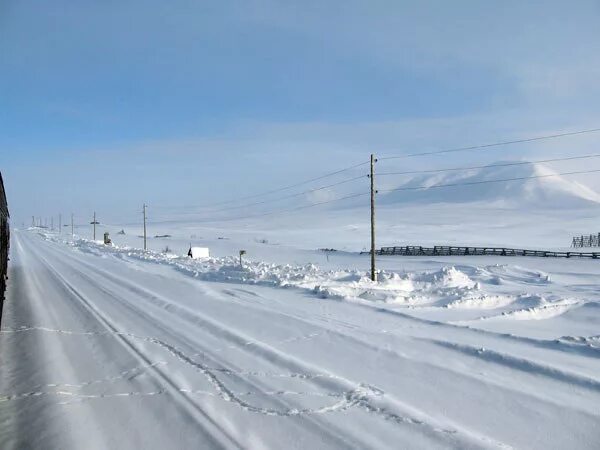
(373, 192)
(52, 223)
(60, 224)
(145, 246)
(94, 223)
(72, 227)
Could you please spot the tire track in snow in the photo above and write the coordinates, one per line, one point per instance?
(85, 397)
(361, 396)
(108, 379)
(205, 323)
(379, 410)
(288, 340)
(291, 339)
(353, 397)
(301, 375)
(36, 389)
(304, 375)
(209, 425)
(520, 364)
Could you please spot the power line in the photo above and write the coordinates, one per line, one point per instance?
(274, 191)
(470, 183)
(400, 189)
(496, 144)
(288, 196)
(289, 210)
(314, 204)
(519, 163)
(336, 172)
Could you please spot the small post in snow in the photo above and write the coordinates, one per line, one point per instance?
(95, 222)
(242, 253)
(145, 246)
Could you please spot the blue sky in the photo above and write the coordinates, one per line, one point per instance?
(105, 105)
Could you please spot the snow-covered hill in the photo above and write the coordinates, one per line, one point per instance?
(546, 190)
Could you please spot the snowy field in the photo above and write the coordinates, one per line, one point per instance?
(114, 347)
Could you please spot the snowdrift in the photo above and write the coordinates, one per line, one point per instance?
(496, 291)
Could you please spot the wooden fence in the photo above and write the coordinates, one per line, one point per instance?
(441, 250)
(593, 240)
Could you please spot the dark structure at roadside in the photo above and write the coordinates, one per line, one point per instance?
(4, 242)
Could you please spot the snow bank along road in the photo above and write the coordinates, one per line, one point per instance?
(99, 350)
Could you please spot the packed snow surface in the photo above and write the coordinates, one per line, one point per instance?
(114, 347)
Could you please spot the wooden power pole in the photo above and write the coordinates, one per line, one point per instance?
(145, 237)
(94, 223)
(373, 192)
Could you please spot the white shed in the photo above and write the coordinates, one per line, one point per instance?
(198, 252)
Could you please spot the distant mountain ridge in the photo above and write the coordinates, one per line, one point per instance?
(539, 186)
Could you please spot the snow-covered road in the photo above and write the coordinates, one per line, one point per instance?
(101, 351)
